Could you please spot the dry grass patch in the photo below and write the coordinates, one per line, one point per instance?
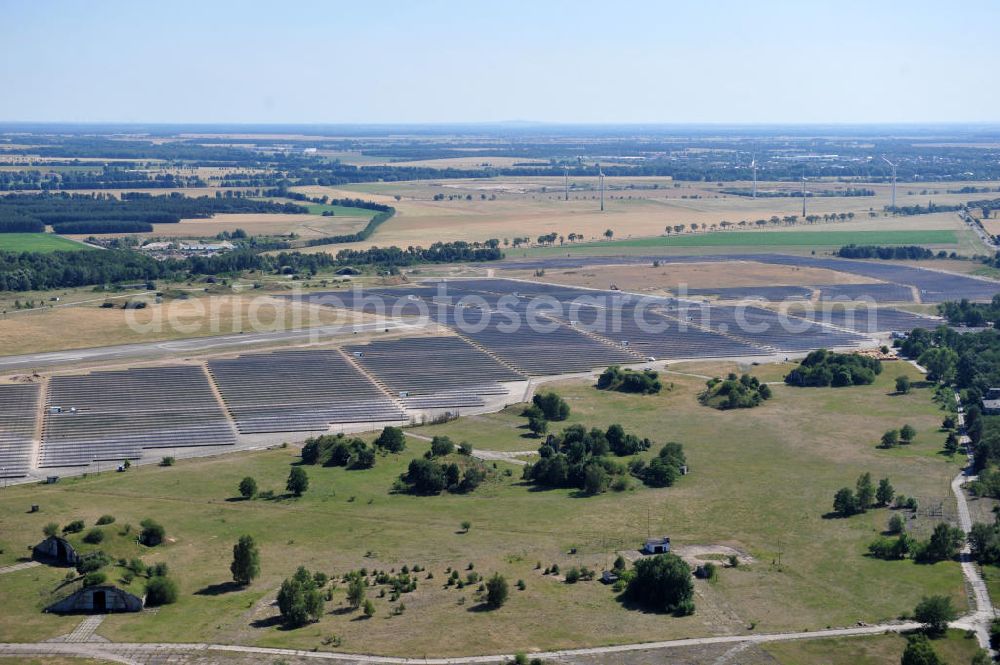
(89, 325)
(668, 276)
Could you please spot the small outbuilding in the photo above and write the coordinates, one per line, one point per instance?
(657, 546)
(991, 402)
(97, 599)
(609, 577)
(55, 551)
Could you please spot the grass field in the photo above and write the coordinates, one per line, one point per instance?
(754, 239)
(955, 648)
(37, 242)
(339, 211)
(761, 481)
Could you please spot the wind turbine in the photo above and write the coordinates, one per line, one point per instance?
(803, 197)
(600, 178)
(753, 165)
(893, 180)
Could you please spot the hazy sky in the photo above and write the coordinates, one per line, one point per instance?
(425, 61)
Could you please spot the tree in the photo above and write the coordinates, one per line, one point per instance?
(919, 652)
(890, 439)
(896, 524)
(844, 503)
(903, 385)
(369, 608)
(935, 612)
(466, 525)
(940, 363)
(299, 599)
(944, 544)
(356, 592)
(425, 477)
(609, 234)
(864, 492)
(160, 590)
(248, 488)
(552, 406)
(595, 479)
(538, 426)
(152, 533)
(951, 443)
(392, 440)
(246, 561)
(907, 434)
(442, 446)
(298, 481)
(662, 583)
(496, 590)
(885, 492)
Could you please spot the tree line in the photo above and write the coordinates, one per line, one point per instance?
(902, 252)
(31, 271)
(62, 208)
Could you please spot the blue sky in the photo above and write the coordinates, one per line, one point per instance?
(551, 61)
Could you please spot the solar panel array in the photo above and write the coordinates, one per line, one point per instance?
(299, 391)
(873, 292)
(541, 347)
(648, 333)
(434, 372)
(18, 410)
(748, 292)
(116, 415)
(933, 285)
(766, 328)
(868, 319)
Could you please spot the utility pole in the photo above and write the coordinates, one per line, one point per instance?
(566, 182)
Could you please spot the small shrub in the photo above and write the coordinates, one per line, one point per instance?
(167, 461)
(94, 537)
(105, 519)
(94, 578)
(152, 533)
(160, 591)
(76, 526)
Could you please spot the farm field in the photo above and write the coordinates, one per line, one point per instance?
(776, 238)
(741, 492)
(37, 242)
(515, 207)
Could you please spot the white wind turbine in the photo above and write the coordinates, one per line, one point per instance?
(893, 180)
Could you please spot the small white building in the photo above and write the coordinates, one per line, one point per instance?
(656, 545)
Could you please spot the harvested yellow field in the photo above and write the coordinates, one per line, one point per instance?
(992, 225)
(635, 207)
